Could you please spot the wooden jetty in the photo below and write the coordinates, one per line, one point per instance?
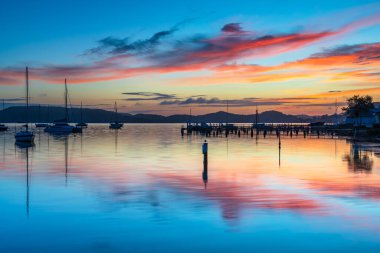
(266, 129)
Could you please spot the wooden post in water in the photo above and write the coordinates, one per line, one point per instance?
(205, 147)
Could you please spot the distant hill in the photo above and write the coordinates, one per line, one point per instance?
(45, 114)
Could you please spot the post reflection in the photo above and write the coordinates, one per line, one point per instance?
(205, 170)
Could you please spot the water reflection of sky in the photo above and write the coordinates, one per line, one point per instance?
(143, 189)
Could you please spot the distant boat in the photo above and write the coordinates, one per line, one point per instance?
(26, 135)
(39, 119)
(2, 126)
(59, 128)
(319, 123)
(81, 123)
(41, 125)
(62, 126)
(116, 124)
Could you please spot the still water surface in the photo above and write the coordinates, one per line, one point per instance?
(144, 188)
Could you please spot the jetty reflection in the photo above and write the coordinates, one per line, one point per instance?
(359, 159)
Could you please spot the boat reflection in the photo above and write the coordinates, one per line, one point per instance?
(116, 131)
(24, 145)
(65, 138)
(24, 148)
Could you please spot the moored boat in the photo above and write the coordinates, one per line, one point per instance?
(81, 124)
(41, 125)
(62, 126)
(3, 127)
(116, 124)
(25, 135)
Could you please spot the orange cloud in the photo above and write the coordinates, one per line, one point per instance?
(206, 53)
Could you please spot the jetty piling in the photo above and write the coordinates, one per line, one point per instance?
(267, 129)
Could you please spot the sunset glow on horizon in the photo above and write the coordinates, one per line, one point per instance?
(167, 57)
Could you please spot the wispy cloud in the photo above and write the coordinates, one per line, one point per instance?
(232, 28)
(127, 58)
(112, 45)
(343, 63)
(216, 102)
(12, 99)
(148, 96)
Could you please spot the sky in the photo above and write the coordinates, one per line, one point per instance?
(165, 57)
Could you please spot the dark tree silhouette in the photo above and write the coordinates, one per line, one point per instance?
(358, 106)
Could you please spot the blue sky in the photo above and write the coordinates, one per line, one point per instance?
(42, 34)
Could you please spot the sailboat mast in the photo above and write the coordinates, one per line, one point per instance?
(66, 112)
(39, 113)
(48, 114)
(227, 112)
(257, 115)
(81, 113)
(27, 96)
(115, 112)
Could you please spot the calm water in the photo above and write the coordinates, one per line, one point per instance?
(144, 189)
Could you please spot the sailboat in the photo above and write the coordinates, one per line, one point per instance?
(2, 126)
(81, 123)
(25, 135)
(116, 124)
(62, 126)
(39, 119)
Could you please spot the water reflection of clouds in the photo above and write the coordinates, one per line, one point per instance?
(144, 174)
(233, 196)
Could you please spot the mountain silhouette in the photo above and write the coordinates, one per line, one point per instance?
(50, 114)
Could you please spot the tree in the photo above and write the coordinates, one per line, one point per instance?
(358, 106)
